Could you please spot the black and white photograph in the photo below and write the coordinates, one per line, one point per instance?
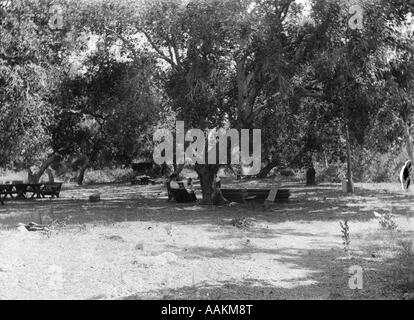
(206, 150)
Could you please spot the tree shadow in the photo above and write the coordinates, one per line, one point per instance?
(313, 274)
(148, 203)
(306, 272)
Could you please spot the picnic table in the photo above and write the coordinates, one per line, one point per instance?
(20, 190)
(36, 189)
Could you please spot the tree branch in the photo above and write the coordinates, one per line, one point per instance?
(128, 43)
(158, 50)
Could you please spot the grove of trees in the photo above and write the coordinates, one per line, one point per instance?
(88, 85)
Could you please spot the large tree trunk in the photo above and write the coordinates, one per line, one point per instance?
(266, 169)
(35, 177)
(207, 174)
(408, 142)
(178, 168)
(247, 92)
(82, 171)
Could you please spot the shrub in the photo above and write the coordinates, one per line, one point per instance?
(334, 173)
(405, 266)
(346, 238)
(108, 175)
(287, 172)
(386, 221)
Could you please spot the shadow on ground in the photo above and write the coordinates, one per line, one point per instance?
(327, 277)
(283, 255)
(148, 203)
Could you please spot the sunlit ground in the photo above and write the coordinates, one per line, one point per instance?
(136, 245)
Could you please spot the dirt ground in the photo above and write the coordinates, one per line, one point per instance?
(136, 245)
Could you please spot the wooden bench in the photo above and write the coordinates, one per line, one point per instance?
(51, 189)
(282, 195)
(144, 180)
(254, 195)
(237, 195)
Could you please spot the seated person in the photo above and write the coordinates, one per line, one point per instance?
(190, 189)
(218, 198)
(217, 181)
(173, 182)
(179, 193)
(172, 186)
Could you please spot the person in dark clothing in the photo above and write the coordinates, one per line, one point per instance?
(405, 175)
(217, 181)
(179, 193)
(190, 190)
(1, 199)
(310, 176)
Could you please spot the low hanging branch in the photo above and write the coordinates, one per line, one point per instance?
(35, 177)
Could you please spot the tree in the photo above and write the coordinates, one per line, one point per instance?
(396, 89)
(223, 56)
(342, 73)
(106, 113)
(29, 70)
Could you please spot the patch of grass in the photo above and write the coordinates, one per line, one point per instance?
(386, 221)
(346, 238)
(108, 175)
(243, 222)
(404, 266)
(396, 263)
(57, 226)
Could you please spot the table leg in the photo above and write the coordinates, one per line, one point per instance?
(9, 192)
(36, 192)
(21, 192)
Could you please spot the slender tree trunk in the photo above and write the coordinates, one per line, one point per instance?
(350, 187)
(165, 170)
(82, 171)
(35, 177)
(325, 159)
(408, 142)
(266, 169)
